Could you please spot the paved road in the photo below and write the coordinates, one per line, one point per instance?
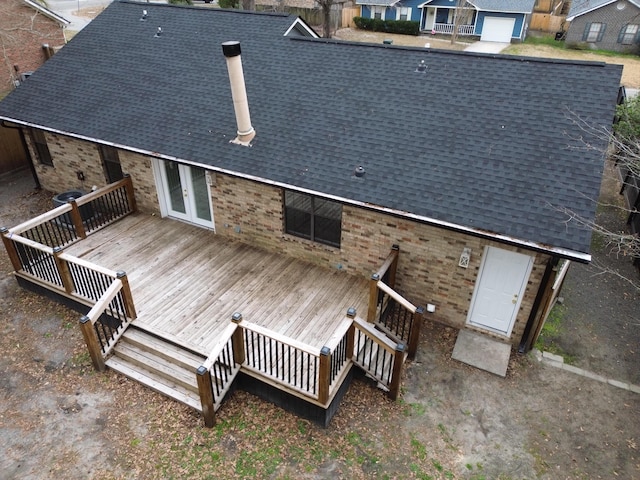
(69, 10)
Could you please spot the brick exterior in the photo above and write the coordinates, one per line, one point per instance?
(23, 31)
(251, 212)
(614, 19)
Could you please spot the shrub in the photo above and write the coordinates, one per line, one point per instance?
(229, 3)
(402, 27)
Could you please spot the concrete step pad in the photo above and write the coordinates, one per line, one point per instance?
(482, 352)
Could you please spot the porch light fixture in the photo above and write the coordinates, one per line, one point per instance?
(465, 258)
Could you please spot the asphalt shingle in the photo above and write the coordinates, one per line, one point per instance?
(478, 141)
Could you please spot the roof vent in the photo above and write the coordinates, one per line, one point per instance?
(422, 67)
(359, 171)
(143, 18)
(159, 32)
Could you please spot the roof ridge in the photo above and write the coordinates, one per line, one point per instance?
(497, 56)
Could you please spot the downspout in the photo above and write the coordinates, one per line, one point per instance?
(525, 346)
(27, 152)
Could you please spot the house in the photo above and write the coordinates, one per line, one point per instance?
(29, 33)
(491, 20)
(290, 190)
(605, 25)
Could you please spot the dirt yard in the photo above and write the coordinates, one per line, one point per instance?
(60, 419)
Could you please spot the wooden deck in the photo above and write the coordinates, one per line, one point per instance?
(187, 282)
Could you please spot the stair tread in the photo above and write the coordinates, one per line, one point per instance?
(164, 367)
(155, 381)
(163, 349)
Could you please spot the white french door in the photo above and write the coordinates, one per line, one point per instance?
(186, 193)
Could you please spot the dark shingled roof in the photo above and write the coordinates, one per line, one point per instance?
(477, 142)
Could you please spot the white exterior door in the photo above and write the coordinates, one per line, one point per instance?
(499, 289)
(497, 29)
(185, 193)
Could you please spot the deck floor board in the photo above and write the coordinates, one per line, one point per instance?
(187, 282)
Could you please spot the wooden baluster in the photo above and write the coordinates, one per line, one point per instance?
(324, 375)
(76, 218)
(131, 196)
(63, 270)
(11, 249)
(239, 354)
(414, 337)
(126, 294)
(205, 389)
(396, 376)
(373, 298)
(91, 339)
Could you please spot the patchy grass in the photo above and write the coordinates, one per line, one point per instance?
(551, 332)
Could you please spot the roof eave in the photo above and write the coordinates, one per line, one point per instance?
(527, 244)
(48, 13)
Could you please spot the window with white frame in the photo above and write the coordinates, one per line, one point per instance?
(403, 13)
(593, 32)
(629, 34)
(377, 12)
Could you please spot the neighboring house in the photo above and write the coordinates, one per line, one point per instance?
(29, 34)
(468, 163)
(605, 25)
(491, 20)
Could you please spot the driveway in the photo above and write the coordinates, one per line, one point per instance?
(486, 47)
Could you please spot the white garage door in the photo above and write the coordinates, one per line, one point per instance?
(497, 29)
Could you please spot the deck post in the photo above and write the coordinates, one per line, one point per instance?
(126, 294)
(205, 389)
(91, 339)
(239, 354)
(76, 218)
(63, 270)
(395, 251)
(373, 298)
(351, 333)
(11, 249)
(396, 376)
(414, 336)
(131, 196)
(324, 375)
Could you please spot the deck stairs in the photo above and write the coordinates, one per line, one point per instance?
(169, 368)
(158, 363)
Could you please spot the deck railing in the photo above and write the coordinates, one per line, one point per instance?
(36, 250)
(447, 28)
(390, 311)
(76, 219)
(107, 320)
(218, 371)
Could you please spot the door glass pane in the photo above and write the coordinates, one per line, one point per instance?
(200, 193)
(175, 187)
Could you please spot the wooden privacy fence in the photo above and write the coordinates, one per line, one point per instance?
(390, 311)
(312, 373)
(36, 251)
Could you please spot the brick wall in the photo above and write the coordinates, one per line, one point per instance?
(428, 269)
(614, 19)
(250, 212)
(24, 31)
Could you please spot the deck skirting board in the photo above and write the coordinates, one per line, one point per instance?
(292, 403)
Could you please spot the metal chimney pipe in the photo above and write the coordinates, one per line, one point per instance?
(231, 51)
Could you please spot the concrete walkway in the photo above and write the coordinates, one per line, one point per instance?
(486, 47)
(558, 362)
